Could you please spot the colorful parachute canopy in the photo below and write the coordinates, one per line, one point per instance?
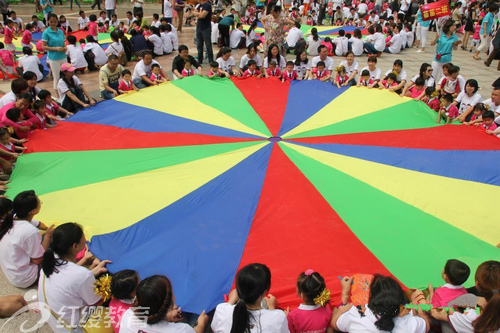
(196, 178)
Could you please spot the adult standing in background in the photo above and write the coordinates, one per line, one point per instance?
(53, 41)
(4, 7)
(167, 10)
(110, 6)
(276, 25)
(179, 8)
(204, 30)
(138, 6)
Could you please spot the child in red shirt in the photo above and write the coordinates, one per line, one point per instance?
(448, 110)
(289, 74)
(126, 84)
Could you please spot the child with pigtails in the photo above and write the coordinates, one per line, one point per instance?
(314, 314)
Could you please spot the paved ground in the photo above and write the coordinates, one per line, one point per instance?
(412, 61)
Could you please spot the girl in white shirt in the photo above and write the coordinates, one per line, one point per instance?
(357, 43)
(243, 312)
(313, 41)
(155, 39)
(156, 295)
(65, 285)
(116, 47)
(468, 99)
(21, 243)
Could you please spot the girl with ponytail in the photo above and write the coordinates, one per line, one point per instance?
(65, 285)
(473, 320)
(21, 243)
(243, 313)
(155, 294)
(384, 312)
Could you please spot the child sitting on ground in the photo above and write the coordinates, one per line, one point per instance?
(215, 71)
(314, 314)
(126, 83)
(341, 76)
(455, 273)
(477, 114)
(320, 72)
(365, 80)
(448, 110)
(252, 70)
(433, 98)
(188, 69)
(15, 116)
(416, 90)
(40, 109)
(488, 122)
(289, 74)
(52, 107)
(273, 71)
(389, 82)
(156, 76)
(8, 147)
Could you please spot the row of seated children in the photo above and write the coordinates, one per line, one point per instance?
(385, 305)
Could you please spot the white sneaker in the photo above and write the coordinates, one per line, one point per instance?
(420, 51)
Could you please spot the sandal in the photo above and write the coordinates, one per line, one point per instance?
(476, 58)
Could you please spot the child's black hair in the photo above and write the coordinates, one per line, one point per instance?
(486, 115)
(215, 64)
(125, 72)
(124, 283)
(13, 114)
(419, 81)
(311, 286)
(365, 72)
(448, 98)
(71, 39)
(43, 94)
(457, 271)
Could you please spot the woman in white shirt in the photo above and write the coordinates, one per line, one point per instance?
(243, 312)
(313, 41)
(155, 295)
(250, 55)
(302, 66)
(382, 313)
(226, 61)
(468, 99)
(65, 285)
(72, 93)
(352, 68)
(21, 243)
(116, 47)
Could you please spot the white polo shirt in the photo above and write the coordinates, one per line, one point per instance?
(329, 63)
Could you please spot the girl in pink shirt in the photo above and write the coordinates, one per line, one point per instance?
(314, 314)
(92, 26)
(123, 287)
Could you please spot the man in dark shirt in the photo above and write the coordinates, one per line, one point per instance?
(204, 29)
(178, 62)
